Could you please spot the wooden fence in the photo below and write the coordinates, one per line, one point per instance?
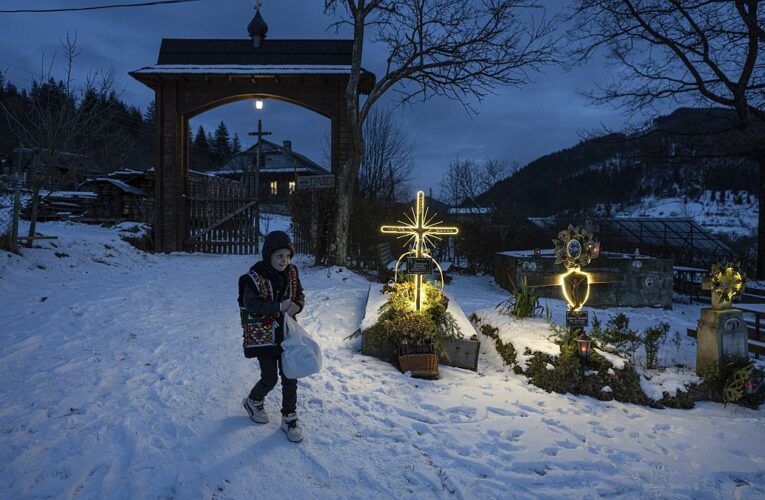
(221, 217)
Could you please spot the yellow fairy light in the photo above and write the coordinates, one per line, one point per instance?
(422, 230)
(574, 303)
(575, 248)
(727, 284)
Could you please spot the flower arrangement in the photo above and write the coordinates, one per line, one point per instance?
(426, 330)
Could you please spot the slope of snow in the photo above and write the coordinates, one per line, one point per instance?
(718, 216)
(122, 377)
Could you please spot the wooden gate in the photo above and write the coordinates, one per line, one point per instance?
(221, 217)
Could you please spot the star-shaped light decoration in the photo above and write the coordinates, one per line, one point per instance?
(727, 284)
(421, 231)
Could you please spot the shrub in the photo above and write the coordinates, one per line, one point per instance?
(521, 303)
(652, 338)
(618, 334)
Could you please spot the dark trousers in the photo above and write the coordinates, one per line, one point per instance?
(270, 365)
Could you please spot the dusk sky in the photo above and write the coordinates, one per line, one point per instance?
(517, 124)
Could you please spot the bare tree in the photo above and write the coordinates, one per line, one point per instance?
(387, 161)
(466, 180)
(52, 121)
(454, 48)
(684, 52)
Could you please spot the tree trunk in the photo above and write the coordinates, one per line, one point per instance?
(348, 175)
(345, 190)
(761, 218)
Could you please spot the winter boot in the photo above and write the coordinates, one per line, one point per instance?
(291, 427)
(256, 410)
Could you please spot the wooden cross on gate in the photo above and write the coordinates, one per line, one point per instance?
(420, 230)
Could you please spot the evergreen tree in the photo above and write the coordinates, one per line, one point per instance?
(201, 157)
(200, 141)
(236, 146)
(221, 143)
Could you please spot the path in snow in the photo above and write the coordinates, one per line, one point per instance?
(126, 382)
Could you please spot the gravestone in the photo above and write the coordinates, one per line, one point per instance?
(721, 336)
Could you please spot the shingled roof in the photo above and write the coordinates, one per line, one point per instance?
(239, 57)
(275, 159)
(270, 52)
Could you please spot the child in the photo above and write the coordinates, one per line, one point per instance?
(270, 290)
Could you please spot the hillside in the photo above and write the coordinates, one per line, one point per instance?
(690, 155)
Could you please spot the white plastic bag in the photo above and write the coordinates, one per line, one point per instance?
(302, 355)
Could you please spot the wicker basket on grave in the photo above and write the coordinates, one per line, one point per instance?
(421, 361)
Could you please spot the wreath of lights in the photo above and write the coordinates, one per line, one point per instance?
(573, 238)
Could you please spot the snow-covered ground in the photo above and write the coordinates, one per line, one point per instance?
(122, 377)
(735, 214)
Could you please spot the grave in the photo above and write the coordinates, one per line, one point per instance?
(461, 353)
(646, 281)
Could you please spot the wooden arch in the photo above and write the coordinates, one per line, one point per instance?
(193, 76)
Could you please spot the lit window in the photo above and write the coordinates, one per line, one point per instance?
(292, 187)
(274, 188)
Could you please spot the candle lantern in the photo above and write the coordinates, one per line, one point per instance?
(584, 345)
(753, 383)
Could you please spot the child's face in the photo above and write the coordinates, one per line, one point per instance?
(280, 259)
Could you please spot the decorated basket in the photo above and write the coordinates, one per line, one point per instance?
(421, 365)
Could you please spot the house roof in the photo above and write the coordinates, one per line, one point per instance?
(241, 51)
(239, 57)
(274, 159)
(127, 188)
(64, 160)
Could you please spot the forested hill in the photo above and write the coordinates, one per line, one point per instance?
(683, 154)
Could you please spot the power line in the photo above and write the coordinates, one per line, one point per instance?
(97, 7)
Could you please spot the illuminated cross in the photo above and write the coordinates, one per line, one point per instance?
(421, 231)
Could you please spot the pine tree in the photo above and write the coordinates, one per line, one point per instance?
(236, 146)
(200, 141)
(221, 143)
(200, 151)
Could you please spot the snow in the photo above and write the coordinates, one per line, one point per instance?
(122, 377)
(529, 333)
(717, 216)
(615, 361)
(668, 380)
(241, 69)
(117, 183)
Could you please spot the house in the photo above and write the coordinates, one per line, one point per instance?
(66, 171)
(280, 167)
(129, 194)
(121, 195)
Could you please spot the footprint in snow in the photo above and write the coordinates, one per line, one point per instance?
(501, 411)
(529, 408)
(566, 444)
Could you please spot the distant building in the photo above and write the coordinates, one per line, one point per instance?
(279, 168)
(66, 171)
